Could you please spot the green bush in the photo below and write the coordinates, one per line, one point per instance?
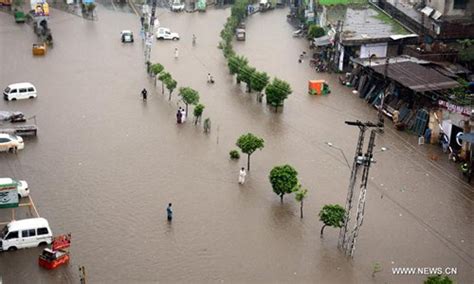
(234, 154)
(315, 31)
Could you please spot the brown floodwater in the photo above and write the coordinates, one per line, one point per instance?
(106, 164)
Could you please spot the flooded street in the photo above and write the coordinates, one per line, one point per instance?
(105, 164)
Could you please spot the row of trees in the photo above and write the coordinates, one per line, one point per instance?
(277, 90)
(188, 95)
(284, 180)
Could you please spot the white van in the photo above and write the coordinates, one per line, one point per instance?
(19, 91)
(26, 233)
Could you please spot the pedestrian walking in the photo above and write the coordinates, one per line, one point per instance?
(183, 115)
(144, 94)
(242, 175)
(176, 53)
(179, 116)
(194, 39)
(210, 79)
(169, 212)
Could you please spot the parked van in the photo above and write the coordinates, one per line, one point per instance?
(19, 91)
(26, 233)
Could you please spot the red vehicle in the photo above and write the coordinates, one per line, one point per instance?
(57, 255)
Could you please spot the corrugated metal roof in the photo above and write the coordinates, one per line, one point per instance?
(416, 77)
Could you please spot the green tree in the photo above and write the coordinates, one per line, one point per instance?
(315, 31)
(259, 81)
(332, 215)
(245, 75)
(277, 92)
(284, 179)
(163, 77)
(249, 143)
(438, 279)
(198, 110)
(171, 86)
(156, 69)
(235, 63)
(189, 96)
(300, 195)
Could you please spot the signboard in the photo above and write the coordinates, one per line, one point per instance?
(8, 196)
(377, 49)
(466, 111)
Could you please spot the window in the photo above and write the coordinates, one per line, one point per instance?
(4, 140)
(7, 90)
(22, 90)
(28, 233)
(14, 91)
(30, 89)
(42, 231)
(12, 235)
(460, 4)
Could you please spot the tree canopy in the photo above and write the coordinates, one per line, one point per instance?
(156, 68)
(277, 92)
(246, 73)
(284, 179)
(249, 143)
(170, 85)
(259, 81)
(332, 215)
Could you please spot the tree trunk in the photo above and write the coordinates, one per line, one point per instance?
(322, 230)
(249, 87)
(186, 110)
(169, 98)
(281, 197)
(276, 108)
(162, 87)
(301, 209)
(248, 162)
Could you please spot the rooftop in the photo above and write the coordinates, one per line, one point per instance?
(367, 23)
(416, 77)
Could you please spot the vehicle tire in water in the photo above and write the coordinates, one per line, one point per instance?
(12, 249)
(42, 244)
(32, 97)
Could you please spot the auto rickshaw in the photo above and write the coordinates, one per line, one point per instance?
(39, 49)
(318, 87)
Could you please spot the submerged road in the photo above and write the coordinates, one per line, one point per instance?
(105, 164)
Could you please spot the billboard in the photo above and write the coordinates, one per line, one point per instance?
(8, 196)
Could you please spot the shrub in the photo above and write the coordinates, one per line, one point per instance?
(234, 154)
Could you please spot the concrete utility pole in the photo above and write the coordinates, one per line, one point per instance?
(385, 72)
(149, 34)
(359, 159)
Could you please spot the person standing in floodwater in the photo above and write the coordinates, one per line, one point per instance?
(144, 94)
(176, 53)
(169, 212)
(242, 175)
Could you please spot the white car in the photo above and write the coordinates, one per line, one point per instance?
(165, 33)
(10, 143)
(21, 185)
(126, 36)
(177, 6)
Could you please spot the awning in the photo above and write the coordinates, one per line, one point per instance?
(468, 137)
(322, 41)
(416, 77)
(436, 15)
(427, 10)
